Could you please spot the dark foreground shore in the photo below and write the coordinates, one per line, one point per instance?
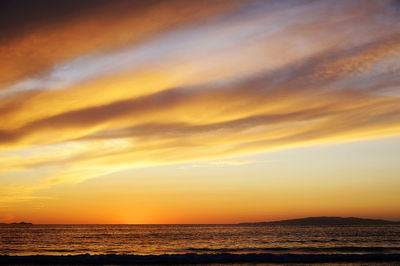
(192, 258)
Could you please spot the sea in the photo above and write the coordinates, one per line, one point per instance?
(323, 243)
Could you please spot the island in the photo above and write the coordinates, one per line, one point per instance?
(20, 223)
(326, 220)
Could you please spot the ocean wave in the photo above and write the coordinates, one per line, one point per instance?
(193, 258)
(299, 249)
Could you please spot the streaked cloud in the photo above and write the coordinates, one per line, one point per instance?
(134, 84)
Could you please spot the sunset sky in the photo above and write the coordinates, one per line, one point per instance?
(207, 111)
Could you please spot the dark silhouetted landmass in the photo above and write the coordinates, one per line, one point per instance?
(20, 223)
(326, 221)
(192, 258)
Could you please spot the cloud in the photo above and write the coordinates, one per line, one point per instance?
(222, 81)
(227, 105)
(37, 37)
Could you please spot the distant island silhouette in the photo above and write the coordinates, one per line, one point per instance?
(320, 220)
(326, 220)
(20, 223)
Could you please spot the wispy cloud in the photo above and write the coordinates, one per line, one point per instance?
(114, 88)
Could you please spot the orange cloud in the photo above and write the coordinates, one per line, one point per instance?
(32, 45)
(132, 84)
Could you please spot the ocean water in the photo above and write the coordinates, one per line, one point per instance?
(199, 239)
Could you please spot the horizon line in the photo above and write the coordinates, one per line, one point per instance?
(236, 223)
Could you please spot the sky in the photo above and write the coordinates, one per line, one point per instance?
(179, 111)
